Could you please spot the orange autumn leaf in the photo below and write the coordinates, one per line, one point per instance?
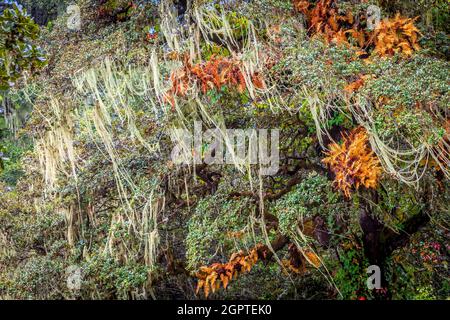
(308, 227)
(358, 35)
(258, 81)
(200, 285)
(224, 279)
(206, 290)
(300, 258)
(295, 269)
(355, 85)
(301, 5)
(313, 259)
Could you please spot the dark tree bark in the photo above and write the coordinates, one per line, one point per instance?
(181, 6)
(380, 242)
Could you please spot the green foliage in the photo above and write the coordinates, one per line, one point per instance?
(218, 225)
(313, 196)
(238, 23)
(351, 276)
(44, 12)
(213, 49)
(321, 68)
(429, 252)
(416, 126)
(11, 153)
(272, 5)
(421, 81)
(40, 277)
(404, 92)
(119, 10)
(18, 51)
(112, 279)
(398, 203)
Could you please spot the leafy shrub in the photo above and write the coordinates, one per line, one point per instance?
(18, 52)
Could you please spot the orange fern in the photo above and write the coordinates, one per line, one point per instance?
(212, 74)
(325, 19)
(353, 162)
(210, 278)
(397, 35)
